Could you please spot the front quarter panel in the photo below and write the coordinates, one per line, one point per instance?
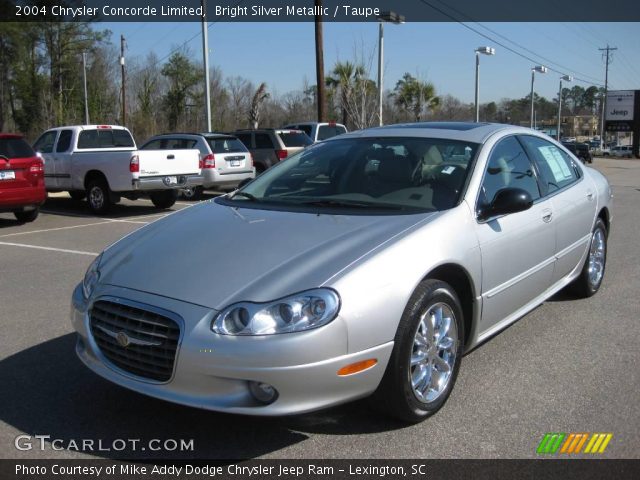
(376, 289)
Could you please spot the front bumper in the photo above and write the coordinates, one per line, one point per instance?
(161, 183)
(213, 371)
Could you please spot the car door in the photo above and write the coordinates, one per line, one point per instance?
(62, 159)
(44, 146)
(518, 249)
(573, 200)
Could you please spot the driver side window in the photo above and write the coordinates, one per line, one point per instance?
(508, 167)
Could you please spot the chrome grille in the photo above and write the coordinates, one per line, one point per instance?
(138, 341)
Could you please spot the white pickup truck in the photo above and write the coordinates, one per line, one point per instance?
(103, 163)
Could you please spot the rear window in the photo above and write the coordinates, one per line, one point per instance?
(226, 145)
(328, 131)
(15, 148)
(105, 138)
(294, 138)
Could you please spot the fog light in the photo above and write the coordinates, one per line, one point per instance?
(263, 392)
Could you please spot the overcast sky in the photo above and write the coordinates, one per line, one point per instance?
(283, 54)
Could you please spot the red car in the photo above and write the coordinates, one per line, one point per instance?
(21, 178)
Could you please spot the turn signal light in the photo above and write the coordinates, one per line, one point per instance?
(357, 367)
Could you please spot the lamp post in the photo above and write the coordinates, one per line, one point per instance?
(484, 51)
(539, 69)
(567, 78)
(391, 17)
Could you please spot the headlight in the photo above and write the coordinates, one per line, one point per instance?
(302, 311)
(91, 277)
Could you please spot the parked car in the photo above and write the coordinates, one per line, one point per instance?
(568, 139)
(101, 162)
(224, 160)
(22, 189)
(319, 131)
(622, 151)
(269, 146)
(381, 263)
(580, 150)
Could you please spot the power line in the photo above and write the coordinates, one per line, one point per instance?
(506, 47)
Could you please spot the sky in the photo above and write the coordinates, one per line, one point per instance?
(283, 54)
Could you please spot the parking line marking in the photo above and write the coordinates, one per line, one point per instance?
(54, 229)
(117, 220)
(38, 247)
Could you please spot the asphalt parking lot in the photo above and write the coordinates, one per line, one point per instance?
(569, 366)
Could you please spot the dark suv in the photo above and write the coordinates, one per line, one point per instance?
(268, 146)
(580, 150)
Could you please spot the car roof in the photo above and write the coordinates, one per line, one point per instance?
(464, 131)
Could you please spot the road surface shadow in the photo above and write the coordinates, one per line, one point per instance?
(46, 390)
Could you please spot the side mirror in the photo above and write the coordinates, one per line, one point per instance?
(506, 201)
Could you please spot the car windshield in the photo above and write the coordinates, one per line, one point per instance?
(15, 148)
(294, 138)
(369, 175)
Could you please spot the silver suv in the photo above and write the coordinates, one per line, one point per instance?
(224, 160)
(319, 131)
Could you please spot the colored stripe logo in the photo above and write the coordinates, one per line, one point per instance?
(572, 443)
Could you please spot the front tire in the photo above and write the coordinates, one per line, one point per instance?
(592, 274)
(426, 355)
(27, 216)
(165, 199)
(98, 197)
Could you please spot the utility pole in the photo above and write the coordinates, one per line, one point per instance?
(124, 103)
(320, 96)
(608, 59)
(84, 77)
(205, 53)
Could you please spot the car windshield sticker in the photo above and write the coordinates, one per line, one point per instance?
(556, 163)
(448, 170)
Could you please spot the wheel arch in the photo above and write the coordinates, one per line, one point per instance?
(605, 216)
(460, 280)
(92, 175)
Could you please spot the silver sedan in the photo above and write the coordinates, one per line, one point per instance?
(366, 265)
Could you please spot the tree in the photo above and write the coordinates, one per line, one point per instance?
(258, 98)
(415, 96)
(183, 76)
(341, 81)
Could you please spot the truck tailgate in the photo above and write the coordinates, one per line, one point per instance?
(169, 162)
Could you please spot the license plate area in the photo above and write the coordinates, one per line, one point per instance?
(170, 180)
(7, 175)
(234, 163)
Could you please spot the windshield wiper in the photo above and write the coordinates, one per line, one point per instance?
(350, 204)
(246, 195)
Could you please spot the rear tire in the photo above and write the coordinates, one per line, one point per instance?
(27, 216)
(164, 200)
(426, 355)
(99, 197)
(592, 274)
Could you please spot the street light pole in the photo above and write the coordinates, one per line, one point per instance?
(539, 69)
(484, 51)
(391, 17)
(568, 78)
(380, 61)
(205, 53)
(84, 78)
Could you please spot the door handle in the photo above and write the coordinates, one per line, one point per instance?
(547, 215)
(171, 157)
(589, 195)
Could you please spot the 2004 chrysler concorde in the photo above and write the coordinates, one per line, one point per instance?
(365, 264)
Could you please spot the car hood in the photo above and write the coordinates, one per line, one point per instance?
(214, 255)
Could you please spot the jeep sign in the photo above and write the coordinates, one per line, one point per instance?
(620, 105)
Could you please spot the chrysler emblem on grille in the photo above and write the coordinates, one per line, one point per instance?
(123, 339)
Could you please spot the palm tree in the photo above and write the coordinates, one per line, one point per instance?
(414, 95)
(254, 112)
(342, 80)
